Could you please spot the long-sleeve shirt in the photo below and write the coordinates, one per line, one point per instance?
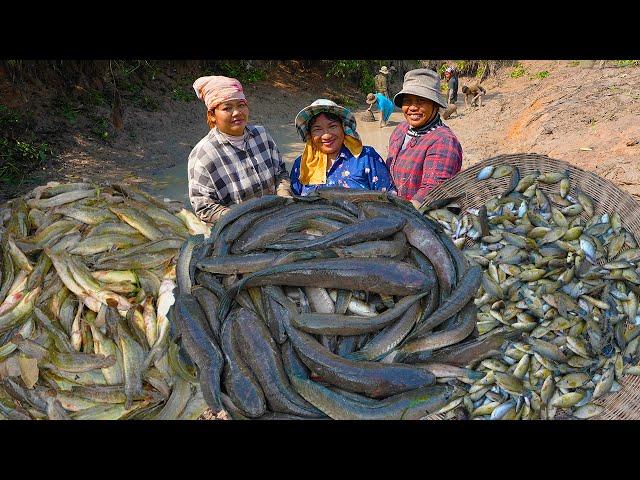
(425, 161)
(221, 174)
(381, 84)
(367, 171)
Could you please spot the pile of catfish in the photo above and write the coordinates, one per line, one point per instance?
(320, 307)
(562, 276)
(87, 278)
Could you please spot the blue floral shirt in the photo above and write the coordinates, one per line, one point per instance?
(368, 171)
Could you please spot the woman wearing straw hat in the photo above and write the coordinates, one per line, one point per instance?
(423, 151)
(334, 155)
(385, 105)
(235, 161)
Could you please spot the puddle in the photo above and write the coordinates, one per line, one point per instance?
(172, 183)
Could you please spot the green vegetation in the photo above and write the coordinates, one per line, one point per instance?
(18, 156)
(244, 72)
(8, 118)
(542, 74)
(627, 63)
(518, 71)
(182, 94)
(67, 109)
(360, 72)
(97, 97)
(100, 127)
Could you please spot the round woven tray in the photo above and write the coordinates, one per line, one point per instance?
(622, 405)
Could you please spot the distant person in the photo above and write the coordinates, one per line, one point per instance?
(235, 161)
(423, 151)
(475, 93)
(381, 81)
(384, 104)
(451, 76)
(334, 155)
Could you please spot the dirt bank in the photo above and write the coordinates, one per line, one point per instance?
(589, 117)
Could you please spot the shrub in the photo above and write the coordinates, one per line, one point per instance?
(518, 71)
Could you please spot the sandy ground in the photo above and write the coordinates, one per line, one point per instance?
(589, 117)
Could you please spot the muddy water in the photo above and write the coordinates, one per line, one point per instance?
(172, 183)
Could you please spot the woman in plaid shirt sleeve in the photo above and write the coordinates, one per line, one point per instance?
(235, 161)
(423, 151)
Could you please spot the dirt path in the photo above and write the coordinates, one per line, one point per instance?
(584, 116)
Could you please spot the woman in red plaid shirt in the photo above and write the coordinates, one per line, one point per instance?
(423, 151)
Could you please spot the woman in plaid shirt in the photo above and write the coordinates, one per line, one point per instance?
(334, 155)
(423, 151)
(235, 161)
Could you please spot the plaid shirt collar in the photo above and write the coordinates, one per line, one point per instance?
(217, 134)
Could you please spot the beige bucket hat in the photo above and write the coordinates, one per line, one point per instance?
(384, 69)
(371, 98)
(424, 83)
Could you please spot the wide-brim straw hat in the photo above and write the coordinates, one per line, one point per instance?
(422, 82)
(323, 105)
(371, 99)
(384, 69)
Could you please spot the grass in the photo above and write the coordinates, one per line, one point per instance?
(8, 118)
(627, 63)
(18, 156)
(542, 74)
(574, 63)
(518, 71)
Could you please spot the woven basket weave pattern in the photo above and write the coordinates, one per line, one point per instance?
(622, 405)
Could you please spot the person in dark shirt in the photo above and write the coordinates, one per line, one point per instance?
(451, 77)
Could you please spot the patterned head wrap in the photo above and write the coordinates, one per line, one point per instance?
(214, 90)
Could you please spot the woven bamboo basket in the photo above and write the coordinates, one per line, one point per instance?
(624, 404)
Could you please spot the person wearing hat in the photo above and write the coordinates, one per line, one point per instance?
(381, 82)
(423, 151)
(385, 105)
(451, 76)
(334, 155)
(235, 161)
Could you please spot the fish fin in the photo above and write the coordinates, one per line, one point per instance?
(296, 226)
(357, 356)
(281, 246)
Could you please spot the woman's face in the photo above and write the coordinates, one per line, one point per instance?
(231, 117)
(327, 134)
(417, 110)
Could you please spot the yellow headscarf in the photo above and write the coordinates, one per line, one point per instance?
(313, 164)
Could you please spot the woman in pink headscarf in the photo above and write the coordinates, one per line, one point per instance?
(235, 161)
